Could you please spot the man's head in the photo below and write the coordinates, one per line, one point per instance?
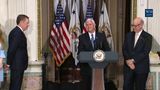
(23, 21)
(138, 24)
(90, 25)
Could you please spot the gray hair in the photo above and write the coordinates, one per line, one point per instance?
(91, 19)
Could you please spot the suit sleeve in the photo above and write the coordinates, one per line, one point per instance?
(14, 41)
(125, 48)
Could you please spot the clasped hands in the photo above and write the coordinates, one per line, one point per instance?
(130, 63)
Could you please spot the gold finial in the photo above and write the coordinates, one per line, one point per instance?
(60, 1)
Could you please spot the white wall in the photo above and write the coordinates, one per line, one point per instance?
(152, 24)
(3, 13)
(9, 9)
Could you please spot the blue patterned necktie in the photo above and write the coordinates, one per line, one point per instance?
(92, 40)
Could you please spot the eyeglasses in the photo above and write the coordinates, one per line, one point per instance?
(135, 25)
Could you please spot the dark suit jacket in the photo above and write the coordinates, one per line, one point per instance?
(86, 45)
(140, 53)
(17, 56)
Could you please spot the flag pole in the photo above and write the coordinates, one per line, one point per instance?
(75, 11)
(103, 13)
(58, 74)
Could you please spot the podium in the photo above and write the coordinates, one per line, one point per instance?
(97, 66)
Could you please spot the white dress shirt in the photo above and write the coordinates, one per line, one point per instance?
(137, 37)
(90, 35)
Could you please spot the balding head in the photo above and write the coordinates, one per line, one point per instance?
(138, 20)
(138, 24)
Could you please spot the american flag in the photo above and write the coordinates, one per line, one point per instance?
(59, 41)
(89, 14)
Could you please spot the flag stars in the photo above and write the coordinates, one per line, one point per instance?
(102, 12)
(74, 12)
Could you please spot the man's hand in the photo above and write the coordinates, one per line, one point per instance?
(130, 63)
(1, 63)
(6, 67)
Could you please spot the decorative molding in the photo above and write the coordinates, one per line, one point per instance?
(39, 20)
(134, 9)
(51, 15)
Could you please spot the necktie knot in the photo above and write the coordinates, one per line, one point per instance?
(92, 37)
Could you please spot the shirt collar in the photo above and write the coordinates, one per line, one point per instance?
(91, 34)
(139, 33)
(20, 28)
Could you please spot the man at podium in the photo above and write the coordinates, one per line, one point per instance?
(90, 41)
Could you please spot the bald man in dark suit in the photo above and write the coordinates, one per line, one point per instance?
(136, 48)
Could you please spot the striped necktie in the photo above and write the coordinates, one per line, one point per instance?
(92, 40)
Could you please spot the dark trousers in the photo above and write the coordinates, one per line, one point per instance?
(86, 74)
(16, 79)
(134, 81)
(86, 82)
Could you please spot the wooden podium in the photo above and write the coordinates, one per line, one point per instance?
(97, 65)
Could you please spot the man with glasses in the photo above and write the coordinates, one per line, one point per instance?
(136, 48)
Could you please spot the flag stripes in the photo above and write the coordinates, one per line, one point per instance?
(59, 41)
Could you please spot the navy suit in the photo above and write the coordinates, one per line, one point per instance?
(140, 54)
(17, 57)
(86, 45)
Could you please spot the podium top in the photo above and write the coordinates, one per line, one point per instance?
(86, 56)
